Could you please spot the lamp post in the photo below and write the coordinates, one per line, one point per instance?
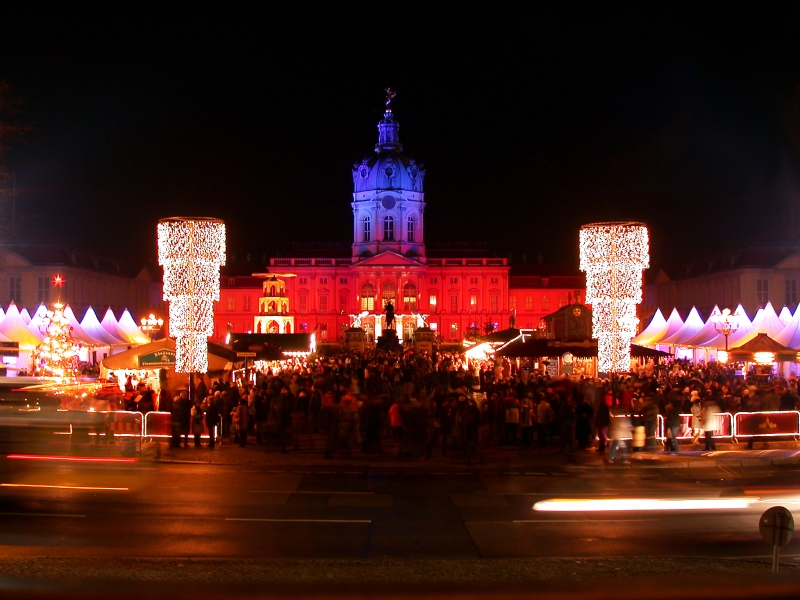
(151, 325)
(726, 324)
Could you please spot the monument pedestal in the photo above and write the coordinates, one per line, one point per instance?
(388, 340)
(423, 340)
(355, 339)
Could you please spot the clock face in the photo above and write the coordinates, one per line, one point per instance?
(363, 171)
(389, 170)
(576, 312)
(388, 202)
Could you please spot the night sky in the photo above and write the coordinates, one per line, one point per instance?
(529, 123)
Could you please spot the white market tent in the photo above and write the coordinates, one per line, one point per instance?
(26, 316)
(706, 334)
(77, 331)
(92, 326)
(110, 324)
(671, 327)
(14, 329)
(37, 324)
(657, 323)
(790, 336)
(132, 332)
(765, 322)
(785, 316)
(690, 327)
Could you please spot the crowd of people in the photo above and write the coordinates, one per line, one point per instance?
(408, 406)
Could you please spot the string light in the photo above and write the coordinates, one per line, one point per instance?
(191, 250)
(613, 255)
(57, 355)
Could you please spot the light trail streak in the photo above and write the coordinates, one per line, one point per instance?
(639, 504)
(70, 458)
(64, 487)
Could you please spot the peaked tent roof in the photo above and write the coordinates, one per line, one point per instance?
(37, 324)
(111, 325)
(131, 330)
(745, 327)
(657, 323)
(26, 316)
(13, 329)
(671, 327)
(790, 336)
(92, 326)
(765, 322)
(785, 315)
(707, 333)
(77, 331)
(690, 327)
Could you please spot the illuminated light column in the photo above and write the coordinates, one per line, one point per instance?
(191, 250)
(613, 255)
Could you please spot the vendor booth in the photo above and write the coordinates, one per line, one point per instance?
(144, 362)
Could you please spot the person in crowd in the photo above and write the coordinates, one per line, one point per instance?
(198, 428)
(239, 421)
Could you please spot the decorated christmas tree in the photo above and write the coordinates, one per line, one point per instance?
(57, 355)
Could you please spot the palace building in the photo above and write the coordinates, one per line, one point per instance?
(455, 292)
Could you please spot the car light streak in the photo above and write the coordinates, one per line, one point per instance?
(64, 487)
(634, 504)
(70, 458)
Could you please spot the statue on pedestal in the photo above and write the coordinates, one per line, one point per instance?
(389, 310)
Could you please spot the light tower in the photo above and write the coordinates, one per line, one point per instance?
(613, 255)
(191, 250)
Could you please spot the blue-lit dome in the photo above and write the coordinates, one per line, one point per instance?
(388, 168)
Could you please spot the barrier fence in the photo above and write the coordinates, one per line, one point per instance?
(158, 424)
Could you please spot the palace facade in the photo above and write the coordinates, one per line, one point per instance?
(455, 292)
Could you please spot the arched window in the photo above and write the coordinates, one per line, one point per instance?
(388, 229)
(367, 229)
(410, 229)
(409, 296)
(388, 294)
(272, 291)
(367, 297)
(272, 307)
(272, 327)
(287, 327)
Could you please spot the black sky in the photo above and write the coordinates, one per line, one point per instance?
(529, 121)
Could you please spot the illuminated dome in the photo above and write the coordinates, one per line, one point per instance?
(388, 168)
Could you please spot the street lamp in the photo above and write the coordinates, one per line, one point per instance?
(725, 323)
(151, 325)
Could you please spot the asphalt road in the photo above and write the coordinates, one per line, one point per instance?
(149, 509)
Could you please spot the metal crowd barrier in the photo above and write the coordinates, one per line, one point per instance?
(158, 425)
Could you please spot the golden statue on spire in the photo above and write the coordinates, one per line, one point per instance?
(390, 94)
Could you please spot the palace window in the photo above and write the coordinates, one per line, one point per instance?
(545, 302)
(453, 303)
(15, 289)
(434, 280)
(454, 331)
(453, 280)
(494, 302)
(410, 297)
(343, 280)
(367, 297)
(762, 290)
(388, 229)
(529, 303)
(512, 303)
(323, 303)
(231, 300)
(323, 331)
(388, 294)
(367, 229)
(43, 290)
(791, 292)
(342, 303)
(303, 327)
(473, 303)
(410, 229)
(246, 300)
(432, 302)
(302, 281)
(494, 280)
(302, 303)
(473, 280)
(323, 280)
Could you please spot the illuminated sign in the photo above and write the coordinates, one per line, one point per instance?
(766, 424)
(156, 360)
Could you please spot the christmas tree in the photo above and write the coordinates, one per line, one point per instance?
(57, 355)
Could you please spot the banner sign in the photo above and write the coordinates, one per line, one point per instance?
(160, 359)
(9, 348)
(763, 424)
